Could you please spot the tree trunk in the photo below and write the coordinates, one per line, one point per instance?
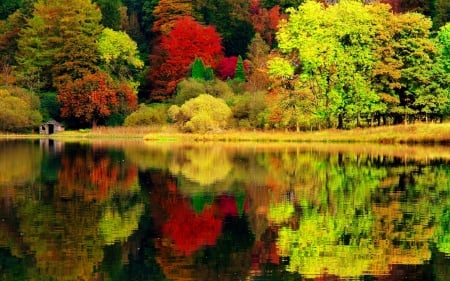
(340, 121)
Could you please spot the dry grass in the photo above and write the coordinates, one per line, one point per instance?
(405, 134)
(417, 133)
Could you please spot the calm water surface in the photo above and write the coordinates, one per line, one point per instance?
(144, 211)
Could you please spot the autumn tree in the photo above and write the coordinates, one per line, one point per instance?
(360, 66)
(265, 21)
(258, 51)
(9, 34)
(188, 40)
(167, 12)
(401, 77)
(232, 68)
(89, 100)
(59, 43)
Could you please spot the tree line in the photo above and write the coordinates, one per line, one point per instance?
(288, 64)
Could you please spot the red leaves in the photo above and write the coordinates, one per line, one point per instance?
(264, 21)
(187, 40)
(190, 231)
(227, 67)
(92, 98)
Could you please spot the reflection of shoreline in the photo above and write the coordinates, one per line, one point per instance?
(402, 151)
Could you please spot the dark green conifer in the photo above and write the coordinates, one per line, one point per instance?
(198, 69)
(239, 74)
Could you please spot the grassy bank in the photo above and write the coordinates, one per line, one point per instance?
(415, 133)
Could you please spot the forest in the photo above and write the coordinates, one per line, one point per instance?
(204, 65)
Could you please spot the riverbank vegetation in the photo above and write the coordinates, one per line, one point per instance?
(420, 133)
(227, 68)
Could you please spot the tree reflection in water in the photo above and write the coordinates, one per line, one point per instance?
(127, 211)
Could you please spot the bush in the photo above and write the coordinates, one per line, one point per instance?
(19, 110)
(201, 114)
(188, 89)
(147, 115)
(192, 88)
(219, 89)
(247, 109)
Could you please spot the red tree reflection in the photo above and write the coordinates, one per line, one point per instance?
(190, 231)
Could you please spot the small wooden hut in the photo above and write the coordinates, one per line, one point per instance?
(51, 127)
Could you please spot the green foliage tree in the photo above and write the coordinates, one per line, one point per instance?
(19, 110)
(444, 44)
(404, 77)
(201, 114)
(356, 59)
(188, 89)
(248, 109)
(239, 73)
(110, 13)
(59, 44)
(198, 69)
(119, 55)
(7, 7)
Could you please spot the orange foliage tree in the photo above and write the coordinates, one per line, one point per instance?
(187, 40)
(92, 98)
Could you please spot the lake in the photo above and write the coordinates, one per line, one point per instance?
(135, 210)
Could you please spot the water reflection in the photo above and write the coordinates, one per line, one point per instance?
(149, 211)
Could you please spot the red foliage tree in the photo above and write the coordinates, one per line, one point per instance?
(187, 40)
(127, 99)
(264, 21)
(88, 99)
(227, 67)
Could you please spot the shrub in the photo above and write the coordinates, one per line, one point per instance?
(247, 109)
(147, 115)
(188, 89)
(201, 114)
(19, 110)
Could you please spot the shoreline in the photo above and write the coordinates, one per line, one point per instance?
(420, 133)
